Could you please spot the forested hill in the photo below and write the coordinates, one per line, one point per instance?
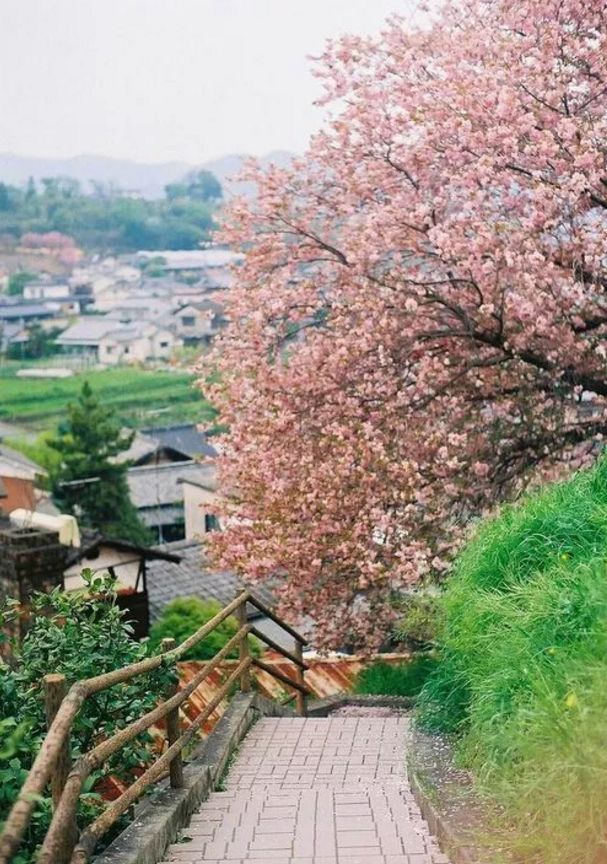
(106, 219)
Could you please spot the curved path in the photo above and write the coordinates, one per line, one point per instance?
(314, 791)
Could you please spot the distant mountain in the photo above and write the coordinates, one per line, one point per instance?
(146, 178)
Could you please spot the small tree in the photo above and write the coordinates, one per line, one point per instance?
(89, 482)
(17, 281)
(184, 616)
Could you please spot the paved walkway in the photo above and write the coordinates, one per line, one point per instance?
(314, 791)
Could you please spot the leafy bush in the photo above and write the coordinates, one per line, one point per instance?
(420, 619)
(395, 679)
(524, 666)
(184, 615)
(78, 634)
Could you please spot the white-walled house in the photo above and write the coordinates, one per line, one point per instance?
(45, 291)
(196, 323)
(200, 499)
(112, 342)
(136, 343)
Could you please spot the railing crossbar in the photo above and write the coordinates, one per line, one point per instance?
(265, 667)
(255, 601)
(279, 648)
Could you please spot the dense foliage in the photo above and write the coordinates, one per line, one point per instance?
(395, 679)
(86, 479)
(78, 635)
(524, 666)
(108, 220)
(421, 303)
(183, 616)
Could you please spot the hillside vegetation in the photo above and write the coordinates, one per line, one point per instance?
(109, 220)
(523, 677)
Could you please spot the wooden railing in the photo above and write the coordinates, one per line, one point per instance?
(53, 765)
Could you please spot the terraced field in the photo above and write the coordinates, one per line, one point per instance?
(140, 397)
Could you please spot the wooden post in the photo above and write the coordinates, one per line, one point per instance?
(55, 690)
(243, 649)
(173, 730)
(301, 698)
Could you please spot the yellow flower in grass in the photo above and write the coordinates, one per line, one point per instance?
(571, 700)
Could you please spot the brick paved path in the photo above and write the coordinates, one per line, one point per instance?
(314, 791)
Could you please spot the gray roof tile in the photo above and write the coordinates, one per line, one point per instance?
(192, 578)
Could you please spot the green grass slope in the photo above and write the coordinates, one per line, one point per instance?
(523, 675)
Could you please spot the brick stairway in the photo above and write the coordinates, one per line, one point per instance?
(314, 791)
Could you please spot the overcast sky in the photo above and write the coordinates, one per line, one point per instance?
(157, 80)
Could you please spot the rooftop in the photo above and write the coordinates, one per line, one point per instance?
(12, 311)
(15, 464)
(194, 259)
(184, 439)
(192, 578)
(159, 485)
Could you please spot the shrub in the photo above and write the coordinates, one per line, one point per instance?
(395, 679)
(184, 615)
(78, 634)
(524, 665)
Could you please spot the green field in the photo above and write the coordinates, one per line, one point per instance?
(139, 397)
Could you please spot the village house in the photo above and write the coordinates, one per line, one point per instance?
(58, 297)
(17, 311)
(156, 491)
(200, 497)
(110, 342)
(20, 480)
(182, 442)
(197, 323)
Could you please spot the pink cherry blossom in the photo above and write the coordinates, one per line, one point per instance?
(420, 307)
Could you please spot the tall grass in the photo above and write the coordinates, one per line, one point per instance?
(523, 676)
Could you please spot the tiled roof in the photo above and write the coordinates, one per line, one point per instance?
(185, 438)
(158, 485)
(88, 331)
(191, 578)
(25, 310)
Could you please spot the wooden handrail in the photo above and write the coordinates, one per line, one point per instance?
(60, 839)
(290, 682)
(82, 769)
(255, 601)
(97, 829)
(61, 726)
(278, 648)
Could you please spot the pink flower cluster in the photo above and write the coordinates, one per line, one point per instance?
(421, 307)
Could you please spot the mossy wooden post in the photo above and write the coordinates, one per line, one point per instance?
(301, 698)
(55, 690)
(173, 731)
(243, 650)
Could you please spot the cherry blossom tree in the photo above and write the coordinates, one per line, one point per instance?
(420, 314)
